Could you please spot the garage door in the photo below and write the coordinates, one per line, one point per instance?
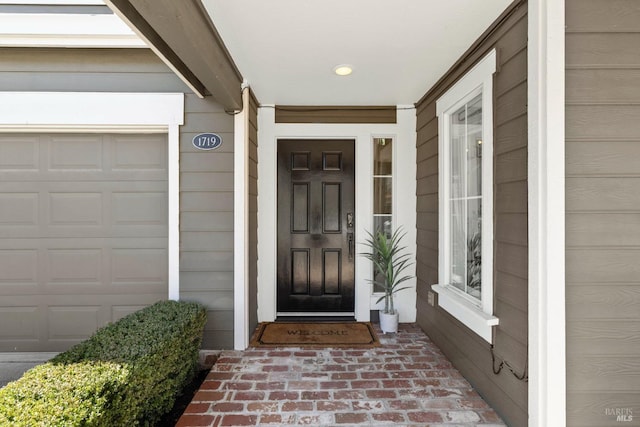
(83, 234)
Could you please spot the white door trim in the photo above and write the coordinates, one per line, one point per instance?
(404, 133)
(108, 112)
(546, 178)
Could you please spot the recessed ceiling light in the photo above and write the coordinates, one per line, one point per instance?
(343, 70)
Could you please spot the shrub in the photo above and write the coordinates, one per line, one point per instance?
(128, 373)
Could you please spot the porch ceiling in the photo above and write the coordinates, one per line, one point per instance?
(287, 49)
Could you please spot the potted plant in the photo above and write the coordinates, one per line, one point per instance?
(388, 262)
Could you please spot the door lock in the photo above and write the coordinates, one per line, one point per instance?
(349, 219)
(350, 240)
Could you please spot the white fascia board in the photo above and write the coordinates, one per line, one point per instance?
(66, 30)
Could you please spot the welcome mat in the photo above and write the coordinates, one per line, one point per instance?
(303, 334)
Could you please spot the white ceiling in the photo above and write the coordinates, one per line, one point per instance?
(287, 49)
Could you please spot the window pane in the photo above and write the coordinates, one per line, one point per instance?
(384, 224)
(382, 195)
(465, 201)
(474, 248)
(383, 148)
(458, 245)
(458, 148)
(474, 147)
(474, 111)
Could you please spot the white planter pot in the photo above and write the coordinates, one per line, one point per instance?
(388, 322)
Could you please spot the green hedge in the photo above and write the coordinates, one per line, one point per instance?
(127, 374)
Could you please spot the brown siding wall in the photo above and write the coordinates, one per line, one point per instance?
(602, 210)
(335, 114)
(206, 178)
(467, 351)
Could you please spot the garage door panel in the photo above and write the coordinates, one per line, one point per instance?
(129, 242)
(19, 153)
(76, 212)
(116, 231)
(75, 153)
(139, 266)
(139, 208)
(80, 176)
(83, 234)
(72, 323)
(31, 323)
(138, 154)
(79, 186)
(19, 323)
(75, 209)
(75, 266)
(83, 157)
(18, 209)
(18, 267)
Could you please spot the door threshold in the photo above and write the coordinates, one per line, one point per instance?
(315, 317)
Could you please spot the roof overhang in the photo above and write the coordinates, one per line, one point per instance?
(182, 34)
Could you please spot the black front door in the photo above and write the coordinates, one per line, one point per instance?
(316, 248)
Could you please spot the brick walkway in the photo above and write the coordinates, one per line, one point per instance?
(405, 381)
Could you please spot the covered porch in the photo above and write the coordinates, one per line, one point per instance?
(515, 41)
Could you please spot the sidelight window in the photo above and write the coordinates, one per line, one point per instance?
(382, 189)
(465, 151)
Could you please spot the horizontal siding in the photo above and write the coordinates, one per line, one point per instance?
(55, 8)
(206, 177)
(466, 350)
(588, 409)
(206, 218)
(602, 209)
(85, 70)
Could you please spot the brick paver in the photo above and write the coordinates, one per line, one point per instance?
(406, 381)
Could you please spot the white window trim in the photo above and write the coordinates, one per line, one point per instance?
(66, 30)
(109, 112)
(476, 316)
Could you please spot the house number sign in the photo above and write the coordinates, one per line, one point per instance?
(207, 141)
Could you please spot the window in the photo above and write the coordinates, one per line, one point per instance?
(465, 144)
(382, 190)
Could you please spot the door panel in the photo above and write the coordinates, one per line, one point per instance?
(315, 242)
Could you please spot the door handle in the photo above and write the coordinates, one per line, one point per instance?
(350, 240)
